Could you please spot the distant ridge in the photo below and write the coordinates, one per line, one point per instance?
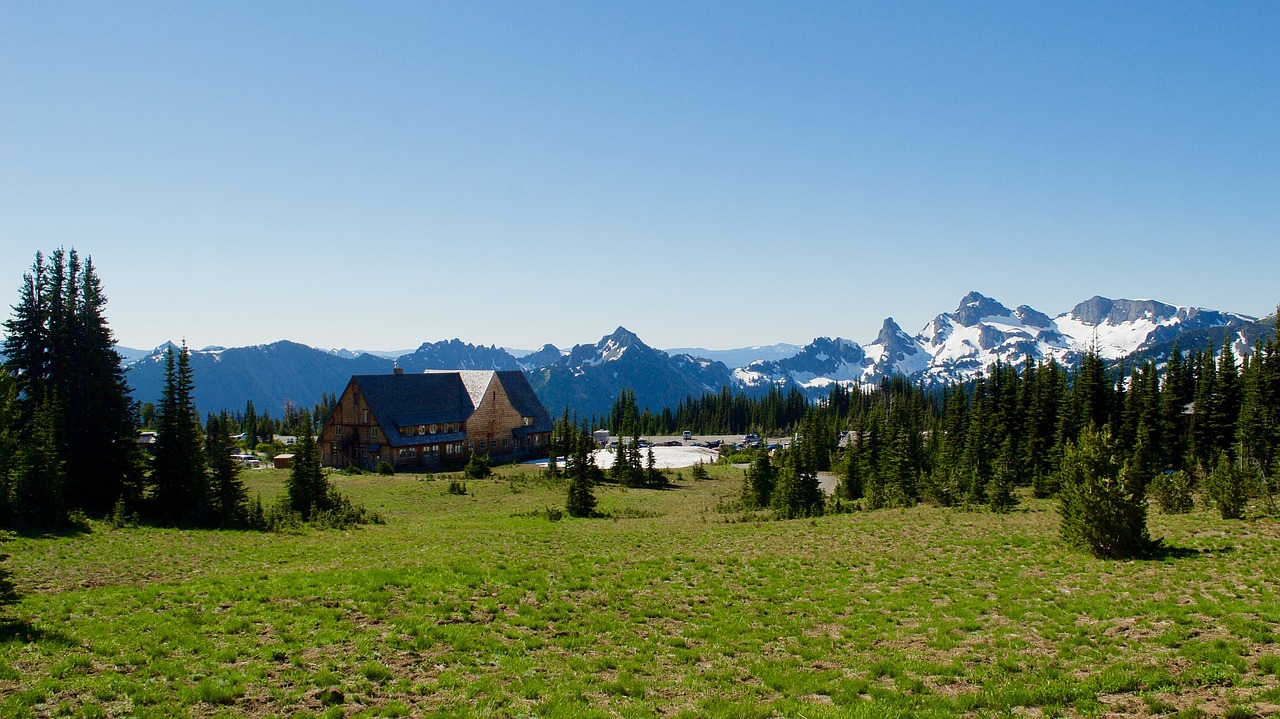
(952, 347)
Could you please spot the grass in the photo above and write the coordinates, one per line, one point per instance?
(477, 605)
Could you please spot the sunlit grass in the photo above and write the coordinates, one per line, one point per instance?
(478, 605)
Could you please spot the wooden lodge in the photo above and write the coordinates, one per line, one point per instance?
(434, 420)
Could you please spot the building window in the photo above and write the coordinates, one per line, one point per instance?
(373, 432)
(482, 445)
(506, 443)
(337, 430)
(528, 421)
(366, 416)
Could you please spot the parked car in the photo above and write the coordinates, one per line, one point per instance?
(246, 460)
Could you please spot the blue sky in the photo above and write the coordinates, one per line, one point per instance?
(377, 175)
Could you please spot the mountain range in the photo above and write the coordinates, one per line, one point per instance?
(952, 347)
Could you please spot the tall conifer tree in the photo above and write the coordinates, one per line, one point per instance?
(178, 480)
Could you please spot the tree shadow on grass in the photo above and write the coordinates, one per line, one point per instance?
(23, 632)
(1163, 552)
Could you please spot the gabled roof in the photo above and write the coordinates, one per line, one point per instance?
(523, 399)
(413, 399)
(443, 397)
(475, 381)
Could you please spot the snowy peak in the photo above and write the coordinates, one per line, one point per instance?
(1101, 310)
(1033, 318)
(895, 352)
(549, 354)
(824, 356)
(975, 307)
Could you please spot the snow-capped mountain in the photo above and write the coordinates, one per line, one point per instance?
(952, 347)
(956, 346)
(590, 377)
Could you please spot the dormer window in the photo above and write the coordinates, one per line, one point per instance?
(528, 421)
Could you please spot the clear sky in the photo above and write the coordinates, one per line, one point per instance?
(378, 174)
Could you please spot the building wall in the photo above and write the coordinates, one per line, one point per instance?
(489, 428)
(353, 416)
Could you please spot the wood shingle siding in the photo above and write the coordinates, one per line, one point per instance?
(435, 419)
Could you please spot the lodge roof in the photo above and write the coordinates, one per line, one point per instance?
(443, 397)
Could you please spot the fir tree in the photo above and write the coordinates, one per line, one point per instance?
(8, 443)
(178, 479)
(758, 483)
(1103, 509)
(250, 425)
(308, 490)
(228, 498)
(1000, 496)
(39, 483)
(653, 476)
(58, 346)
(580, 467)
(1227, 488)
(797, 493)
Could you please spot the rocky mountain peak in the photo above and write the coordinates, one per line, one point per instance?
(975, 306)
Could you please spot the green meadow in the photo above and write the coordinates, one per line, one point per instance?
(481, 605)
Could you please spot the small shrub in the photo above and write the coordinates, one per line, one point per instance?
(342, 513)
(1227, 488)
(275, 517)
(121, 516)
(1103, 507)
(456, 487)
(554, 514)
(385, 469)
(477, 467)
(352, 471)
(699, 472)
(1172, 492)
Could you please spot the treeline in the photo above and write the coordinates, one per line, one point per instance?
(720, 413)
(1103, 439)
(69, 429)
(254, 429)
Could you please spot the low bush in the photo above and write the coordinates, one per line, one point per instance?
(477, 467)
(1172, 492)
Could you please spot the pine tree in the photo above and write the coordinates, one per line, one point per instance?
(250, 426)
(58, 346)
(308, 490)
(758, 484)
(228, 497)
(580, 467)
(796, 493)
(39, 483)
(653, 476)
(1103, 508)
(178, 479)
(1000, 496)
(1227, 488)
(8, 443)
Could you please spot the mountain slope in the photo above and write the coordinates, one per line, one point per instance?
(590, 377)
(952, 347)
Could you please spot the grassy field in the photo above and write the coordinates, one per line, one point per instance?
(479, 605)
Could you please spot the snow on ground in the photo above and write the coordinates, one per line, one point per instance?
(663, 457)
